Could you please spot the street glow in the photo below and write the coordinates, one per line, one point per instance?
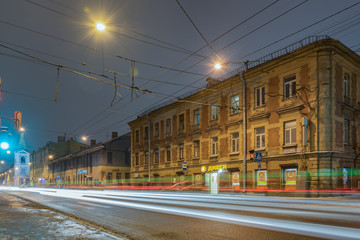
(51, 156)
(4, 145)
(22, 129)
(100, 26)
(84, 138)
(8, 152)
(217, 66)
(2, 162)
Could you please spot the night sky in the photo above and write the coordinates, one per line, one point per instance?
(156, 39)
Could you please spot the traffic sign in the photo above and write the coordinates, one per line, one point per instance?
(184, 166)
(258, 156)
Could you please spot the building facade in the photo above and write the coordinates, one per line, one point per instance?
(98, 165)
(301, 109)
(39, 167)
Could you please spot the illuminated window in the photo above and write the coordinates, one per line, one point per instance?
(214, 146)
(197, 116)
(346, 84)
(181, 151)
(234, 138)
(259, 96)
(260, 137)
(214, 111)
(290, 133)
(196, 149)
(289, 87)
(234, 104)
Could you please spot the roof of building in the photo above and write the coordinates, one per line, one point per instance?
(249, 66)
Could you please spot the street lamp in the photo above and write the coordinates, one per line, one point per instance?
(100, 26)
(22, 129)
(51, 156)
(4, 145)
(2, 162)
(218, 66)
(84, 138)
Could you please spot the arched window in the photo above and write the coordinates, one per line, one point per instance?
(22, 160)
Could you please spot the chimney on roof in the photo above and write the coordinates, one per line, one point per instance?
(211, 82)
(92, 142)
(114, 135)
(61, 139)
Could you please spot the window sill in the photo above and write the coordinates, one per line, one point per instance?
(234, 114)
(196, 158)
(289, 98)
(234, 154)
(289, 145)
(214, 156)
(260, 149)
(181, 160)
(260, 106)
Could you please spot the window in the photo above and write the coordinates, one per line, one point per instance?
(260, 137)
(168, 154)
(181, 151)
(346, 84)
(146, 133)
(346, 131)
(137, 159)
(22, 160)
(168, 125)
(146, 158)
(234, 104)
(197, 116)
(290, 133)
(118, 175)
(196, 149)
(156, 156)
(289, 87)
(234, 138)
(259, 96)
(109, 157)
(214, 146)
(109, 176)
(157, 129)
(137, 136)
(214, 111)
(181, 122)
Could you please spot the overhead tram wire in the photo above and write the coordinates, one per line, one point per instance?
(345, 9)
(302, 29)
(197, 29)
(92, 66)
(219, 38)
(172, 48)
(225, 33)
(128, 87)
(99, 51)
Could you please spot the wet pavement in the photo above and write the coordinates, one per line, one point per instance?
(20, 219)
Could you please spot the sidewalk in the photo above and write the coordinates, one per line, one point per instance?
(24, 220)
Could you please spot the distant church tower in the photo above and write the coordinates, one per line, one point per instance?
(21, 164)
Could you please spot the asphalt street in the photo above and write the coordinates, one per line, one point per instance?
(159, 215)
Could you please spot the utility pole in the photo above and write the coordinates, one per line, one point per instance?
(149, 140)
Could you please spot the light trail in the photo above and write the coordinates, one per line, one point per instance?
(296, 227)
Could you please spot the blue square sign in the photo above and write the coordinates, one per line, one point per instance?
(258, 156)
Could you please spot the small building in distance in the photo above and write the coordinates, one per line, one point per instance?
(98, 165)
(39, 167)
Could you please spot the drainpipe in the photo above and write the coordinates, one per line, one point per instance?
(149, 140)
(244, 125)
(317, 119)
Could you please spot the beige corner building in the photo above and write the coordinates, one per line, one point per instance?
(301, 107)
